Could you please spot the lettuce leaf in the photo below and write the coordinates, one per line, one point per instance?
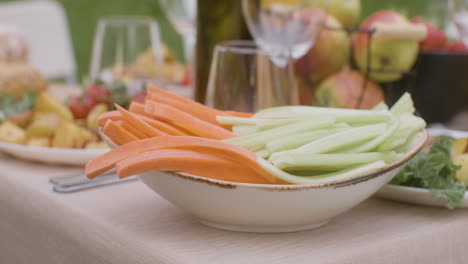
(11, 106)
(434, 170)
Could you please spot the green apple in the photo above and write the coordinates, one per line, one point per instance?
(346, 11)
(389, 58)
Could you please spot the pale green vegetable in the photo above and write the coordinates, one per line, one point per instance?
(297, 140)
(324, 178)
(409, 125)
(335, 161)
(257, 141)
(374, 143)
(265, 124)
(318, 145)
(243, 130)
(381, 106)
(335, 141)
(237, 121)
(403, 105)
(264, 153)
(341, 115)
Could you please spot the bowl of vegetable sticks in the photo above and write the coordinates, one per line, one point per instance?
(281, 169)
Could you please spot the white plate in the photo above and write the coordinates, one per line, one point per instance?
(77, 157)
(413, 195)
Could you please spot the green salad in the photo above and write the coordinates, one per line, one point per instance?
(434, 169)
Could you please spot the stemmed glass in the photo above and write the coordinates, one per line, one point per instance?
(127, 49)
(283, 27)
(459, 10)
(182, 15)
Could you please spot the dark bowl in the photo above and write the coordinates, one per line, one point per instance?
(438, 84)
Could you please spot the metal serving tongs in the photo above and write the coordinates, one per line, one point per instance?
(81, 182)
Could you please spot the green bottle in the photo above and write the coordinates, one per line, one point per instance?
(217, 21)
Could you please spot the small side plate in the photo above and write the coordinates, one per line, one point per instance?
(413, 195)
(76, 157)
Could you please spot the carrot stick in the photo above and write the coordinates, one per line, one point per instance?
(138, 123)
(116, 133)
(116, 116)
(198, 110)
(239, 155)
(137, 133)
(138, 108)
(188, 161)
(169, 129)
(111, 115)
(186, 121)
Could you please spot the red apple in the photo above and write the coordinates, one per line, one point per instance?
(329, 54)
(390, 58)
(458, 46)
(344, 89)
(435, 39)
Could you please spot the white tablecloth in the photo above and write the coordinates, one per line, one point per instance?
(128, 223)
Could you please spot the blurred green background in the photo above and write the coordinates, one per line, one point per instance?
(83, 15)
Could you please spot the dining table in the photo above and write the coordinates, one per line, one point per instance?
(128, 223)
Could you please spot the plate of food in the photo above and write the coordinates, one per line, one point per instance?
(38, 124)
(301, 165)
(39, 127)
(437, 176)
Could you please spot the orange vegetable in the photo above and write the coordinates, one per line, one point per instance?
(198, 110)
(111, 115)
(186, 121)
(116, 133)
(138, 122)
(116, 116)
(138, 108)
(137, 133)
(188, 161)
(235, 153)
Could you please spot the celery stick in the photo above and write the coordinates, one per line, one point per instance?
(264, 153)
(409, 125)
(381, 106)
(265, 124)
(324, 178)
(403, 105)
(336, 141)
(373, 144)
(258, 140)
(332, 161)
(243, 130)
(297, 140)
(236, 121)
(353, 116)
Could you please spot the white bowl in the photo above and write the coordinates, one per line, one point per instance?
(270, 208)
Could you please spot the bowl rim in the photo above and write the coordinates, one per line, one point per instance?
(333, 184)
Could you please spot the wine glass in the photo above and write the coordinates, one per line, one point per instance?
(243, 78)
(283, 27)
(438, 14)
(459, 10)
(127, 49)
(182, 15)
